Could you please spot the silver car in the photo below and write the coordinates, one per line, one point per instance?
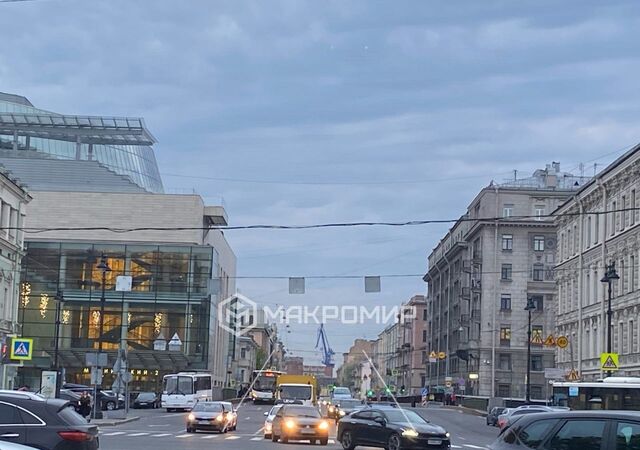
(268, 421)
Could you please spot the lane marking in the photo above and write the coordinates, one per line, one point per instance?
(257, 439)
(180, 436)
(456, 446)
(474, 446)
(259, 431)
(462, 438)
(114, 433)
(160, 435)
(211, 436)
(137, 434)
(231, 438)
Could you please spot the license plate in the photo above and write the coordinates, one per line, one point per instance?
(203, 422)
(307, 431)
(434, 441)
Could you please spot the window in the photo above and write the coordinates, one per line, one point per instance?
(578, 435)
(628, 436)
(504, 390)
(588, 236)
(632, 273)
(539, 212)
(507, 270)
(536, 335)
(505, 335)
(536, 392)
(537, 363)
(507, 242)
(424, 335)
(538, 272)
(243, 353)
(504, 361)
(596, 231)
(533, 435)
(623, 214)
(424, 359)
(505, 302)
(9, 415)
(538, 300)
(614, 206)
(538, 243)
(424, 314)
(632, 204)
(507, 210)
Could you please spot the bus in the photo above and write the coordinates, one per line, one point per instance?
(182, 390)
(264, 385)
(612, 393)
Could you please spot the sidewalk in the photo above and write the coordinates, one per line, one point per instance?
(111, 422)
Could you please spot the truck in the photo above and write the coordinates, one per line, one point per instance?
(297, 389)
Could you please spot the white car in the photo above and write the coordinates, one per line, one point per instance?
(233, 418)
(269, 420)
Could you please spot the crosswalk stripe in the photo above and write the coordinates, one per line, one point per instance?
(184, 435)
(257, 439)
(211, 436)
(474, 446)
(331, 441)
(136, 434)
(231, 438)
(455, 446)
(114, 433)
(161, 435)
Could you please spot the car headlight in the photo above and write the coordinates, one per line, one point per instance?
(331, 409)
(342, 413)
(290, 424)
(191, 417)
(267, 426)
(220, 418)
(324, 425)
(324, 402)
(410, 432)
(447, 435)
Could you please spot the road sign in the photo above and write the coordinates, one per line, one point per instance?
(536, 339)
(447, 383)
(124, 283)
(21, 349)
(96, 376)
(93, 359)
(442, 355)
(562, 341)
(574, 391)
(609, 361)
(433, 355)
(550, 341)
(425, 392)
(553, 373)
(573, 375)
(127, 377)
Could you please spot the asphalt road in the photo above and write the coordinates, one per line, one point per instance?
(159, 430)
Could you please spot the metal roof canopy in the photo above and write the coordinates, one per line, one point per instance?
(137, 359)
(78, 129)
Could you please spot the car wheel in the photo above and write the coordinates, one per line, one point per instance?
(347, 441)
(324, 441)
(285, 439)
(110, 406)
(274, 438)
(394, 442)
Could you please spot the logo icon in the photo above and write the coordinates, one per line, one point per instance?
(237, 314)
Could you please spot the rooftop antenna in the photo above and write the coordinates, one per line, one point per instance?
(581, 169)
(515, 174)
(595, 169)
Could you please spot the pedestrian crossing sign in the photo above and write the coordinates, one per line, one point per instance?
(21, 349)
(609, 361)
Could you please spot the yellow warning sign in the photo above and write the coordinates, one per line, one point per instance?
(442, 355)
(609, 361)
(433, 355)
(573, 375)
(536, 338)
(550, 341)
(562, 341)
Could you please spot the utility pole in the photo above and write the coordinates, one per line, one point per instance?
(530, 307)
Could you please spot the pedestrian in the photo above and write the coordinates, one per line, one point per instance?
(85, 405)
(453, 398)
(24, 388)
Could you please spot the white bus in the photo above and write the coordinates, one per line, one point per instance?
(180, 391)
(264, 385)
(612, 393)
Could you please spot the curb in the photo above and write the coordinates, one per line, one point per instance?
(115, 422)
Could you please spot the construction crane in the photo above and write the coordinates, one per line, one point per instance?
(327, 352)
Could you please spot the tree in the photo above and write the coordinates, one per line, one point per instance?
(261, 358)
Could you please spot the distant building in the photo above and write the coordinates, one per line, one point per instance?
(246, 360)
(294, 365)
(599, 225)
(500, 253)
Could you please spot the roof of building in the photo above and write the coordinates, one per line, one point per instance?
(67, 175)
(14, 98)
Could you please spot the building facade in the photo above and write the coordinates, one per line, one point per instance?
(294, 365)
(596, 227)
(13, 203)
(480, 276)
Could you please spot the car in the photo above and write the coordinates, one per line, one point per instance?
(513, 414)
(269, 420)
(298, 422)
(147, 400)
(72, 397)
(11, 446)
(108, 399)
(344, 407)
(492, 416)
(340, 392)
(209, 416)
(390, 428)
(572, 430)
(233, 422)
(30, 419)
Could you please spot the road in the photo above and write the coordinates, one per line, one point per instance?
(159, 430)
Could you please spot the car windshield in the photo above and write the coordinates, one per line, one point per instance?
(341, 391)
(146, 396)
(264, 383)
(208, 407)
(178, 385)
(349, 403)
(295, 392)
(301, 411)
(401, 415)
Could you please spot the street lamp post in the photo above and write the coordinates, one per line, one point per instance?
(530, 307)
(59, 298)
(105, 268)
(609, 277)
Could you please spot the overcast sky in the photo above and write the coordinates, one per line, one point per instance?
(446, 94)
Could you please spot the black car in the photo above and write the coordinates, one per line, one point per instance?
(108, 400)
(209, 416)
(147, 400)
(492, 417)
(72, 397)
(390, 428)
(53, 424)
(572, 430)
(346, 406)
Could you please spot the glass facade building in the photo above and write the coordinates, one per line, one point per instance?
(169, 301)
(124, 145)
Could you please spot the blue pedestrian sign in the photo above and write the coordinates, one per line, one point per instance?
(21, 349)
(425, 391)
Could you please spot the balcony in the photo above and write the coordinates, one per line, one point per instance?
(475, 314)
(465, 293)
(476, 285)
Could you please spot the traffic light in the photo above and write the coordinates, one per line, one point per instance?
(369, 393)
